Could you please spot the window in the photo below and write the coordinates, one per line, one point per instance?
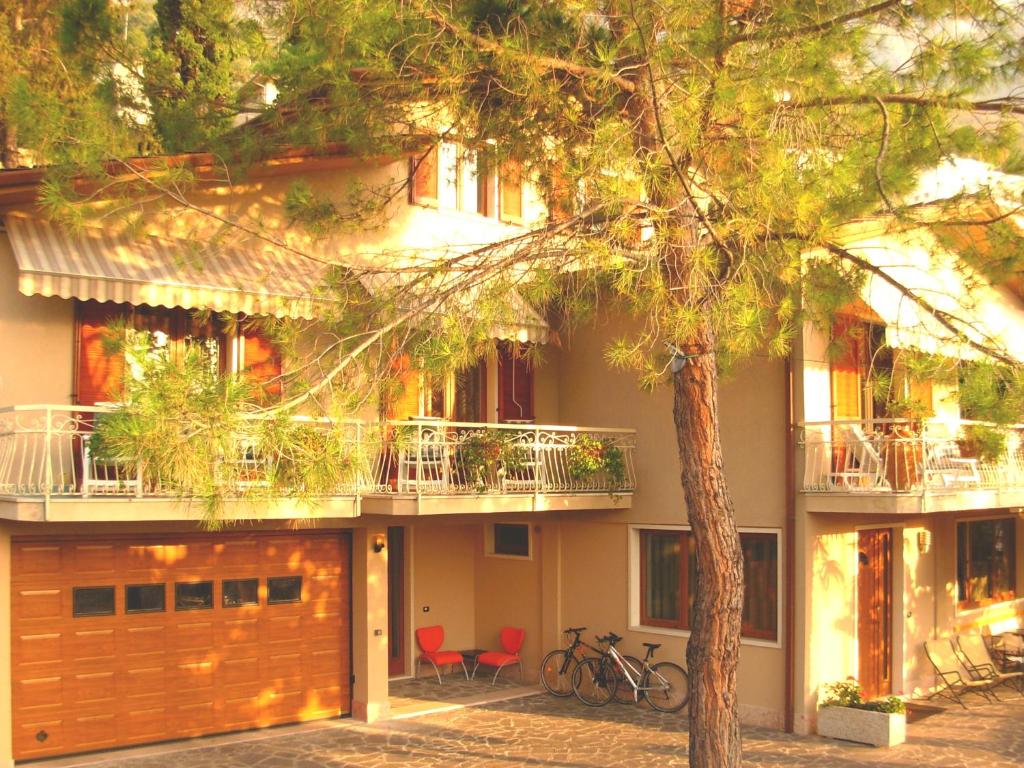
(237, 592)
(92, 601)
(284, 589)
(145, 598)
(424, 172)
(193, 596)
(458, 178)
(509, 539)
(667, 588)
(985, 562)
(99, 373)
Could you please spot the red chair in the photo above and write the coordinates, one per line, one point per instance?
(511, 643)
(430, 640)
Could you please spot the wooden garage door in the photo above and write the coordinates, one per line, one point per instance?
(208, 633)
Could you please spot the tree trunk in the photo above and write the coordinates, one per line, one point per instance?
(712, 654)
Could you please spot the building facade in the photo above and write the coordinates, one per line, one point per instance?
(129, 622)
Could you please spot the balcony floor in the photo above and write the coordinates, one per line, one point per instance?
(912, 502)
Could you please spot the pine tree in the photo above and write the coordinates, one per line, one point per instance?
(694, 151)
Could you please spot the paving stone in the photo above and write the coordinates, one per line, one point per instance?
(544, 732)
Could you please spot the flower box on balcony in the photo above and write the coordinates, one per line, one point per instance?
(879, 729)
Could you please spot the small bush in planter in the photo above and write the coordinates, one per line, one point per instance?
(849, 694)
(983, 442)
(843, 714)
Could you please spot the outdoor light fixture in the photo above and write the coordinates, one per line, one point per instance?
(924, 542)
(379, 543)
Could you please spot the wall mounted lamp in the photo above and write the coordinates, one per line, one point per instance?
(379, 543)
(924, 542)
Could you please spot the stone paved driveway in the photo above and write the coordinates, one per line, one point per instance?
(543, 732)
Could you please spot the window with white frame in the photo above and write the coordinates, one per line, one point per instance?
(668, 580)
(453, 177)
(986, 561)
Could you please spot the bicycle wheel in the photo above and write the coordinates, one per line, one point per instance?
(593, 682)
(555, 681)
(623, 688)
(667, 687)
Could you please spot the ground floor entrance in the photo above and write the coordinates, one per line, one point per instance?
(132, 639)
(874, 611)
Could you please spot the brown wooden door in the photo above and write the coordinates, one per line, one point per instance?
(515, 384)
(874, 611)
(231, 656)
(396, 601)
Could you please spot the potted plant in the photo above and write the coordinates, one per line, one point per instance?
(843, 714)
(480, 454)
(584, 458)
(982, 442)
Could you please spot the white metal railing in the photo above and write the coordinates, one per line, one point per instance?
(49, 451)
(905, 456)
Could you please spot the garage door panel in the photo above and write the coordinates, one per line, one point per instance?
(102, 681)
(93, 646)
(239, 554)
(31, 561)
(91, 560)
(143, 681)
(35, 737)
(193, 635)
(94, 731)
(147, 639)
(39, 693)
(283, 628)
(242, 670)
(39, 604)
(241, 711)
(243, 631)
(143, 724)
(28, 649)
(92, 689)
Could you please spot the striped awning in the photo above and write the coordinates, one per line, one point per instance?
(108, 265)
(105, 265)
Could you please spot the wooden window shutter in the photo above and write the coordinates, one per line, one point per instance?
(261, 363)
(98, 375)
(402, 400)
(515, 384)
(511, 193)
(848, 368)
(424, 170)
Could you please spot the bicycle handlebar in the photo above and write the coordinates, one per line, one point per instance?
(611, 638)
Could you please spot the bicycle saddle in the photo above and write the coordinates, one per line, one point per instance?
(652, 646)
(573, 629)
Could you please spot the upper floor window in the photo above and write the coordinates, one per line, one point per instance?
(668, 580)
(458, 178)
(986, 562)
(99, 370)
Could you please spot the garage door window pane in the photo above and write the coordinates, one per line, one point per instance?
(144, 598)
(193, 597)
(241, 592)
(284, 589)
(93, 601)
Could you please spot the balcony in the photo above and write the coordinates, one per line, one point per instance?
(898, 466)
(49, 470)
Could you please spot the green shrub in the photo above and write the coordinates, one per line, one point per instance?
(848, 693)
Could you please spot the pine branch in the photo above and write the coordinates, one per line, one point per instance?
(536, 61)
(1007, 104)
(763, 35)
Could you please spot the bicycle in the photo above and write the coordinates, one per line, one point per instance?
(665, 685)
(557, 667)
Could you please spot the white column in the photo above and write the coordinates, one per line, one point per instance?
(369, 624)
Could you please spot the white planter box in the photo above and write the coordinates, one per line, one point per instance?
(879, 729)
